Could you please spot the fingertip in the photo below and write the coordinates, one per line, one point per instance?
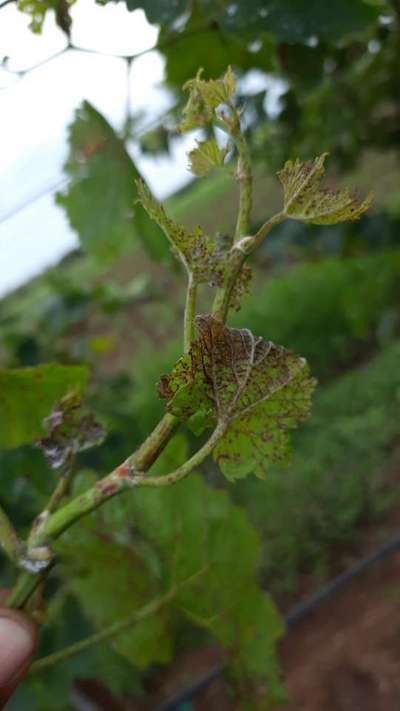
(17, 645)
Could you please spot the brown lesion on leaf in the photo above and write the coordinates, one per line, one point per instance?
(70, 430)
(257, 389)
(306, 200)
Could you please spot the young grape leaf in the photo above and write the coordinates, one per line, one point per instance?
(99, 198)
(197, 252)
(28, 395)
(70, 430)
(259, 390)
(206, 156)
(202, 256)
(204, 98)
(305, 200)
(39, 9)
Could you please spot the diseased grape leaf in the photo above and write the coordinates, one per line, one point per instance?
(206, 156)
(100, 198)
(27, 396)
(305, 200)
(259, 390)
(70, 430)
(197, 252)
(201, 255)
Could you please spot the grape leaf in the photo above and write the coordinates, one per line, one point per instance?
(204, 98)
(305, 200)
(28, 396)
(195, 527)
(38, 9)
(222, 48)
(159, 11)
(297, 21)
(202, 256)
(286, 20)
(99, 200)
(164, 537)
(70, 430)
(197, 252)
(110, 581)
(259, 390)
(206, 156)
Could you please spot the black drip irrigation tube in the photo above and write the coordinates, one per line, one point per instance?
(295, 615)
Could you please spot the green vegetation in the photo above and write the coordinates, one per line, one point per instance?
(340, 477)
(163, 569)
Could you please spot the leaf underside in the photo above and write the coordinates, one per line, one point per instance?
(305, 200)
(259, 390)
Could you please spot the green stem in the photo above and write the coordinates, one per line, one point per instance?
(245, 178)
(9, 540)
(154, 444)
(264, 230)
(142, 460)
(240, 250)
(62, 487)
(121, 479)
(25, 587)
(57, 496)
(190, 313)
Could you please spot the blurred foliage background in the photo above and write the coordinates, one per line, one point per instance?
(331, 294)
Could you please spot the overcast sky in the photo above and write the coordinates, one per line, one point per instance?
(36, 109)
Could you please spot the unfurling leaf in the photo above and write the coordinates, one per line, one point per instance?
(69, 431)
(206, 156)
(204, 98)
(305, 200)
(259, 390)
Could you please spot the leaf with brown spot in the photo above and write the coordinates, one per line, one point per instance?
(199, 253)
(305, 200)
(70, 430)
(259, 390)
